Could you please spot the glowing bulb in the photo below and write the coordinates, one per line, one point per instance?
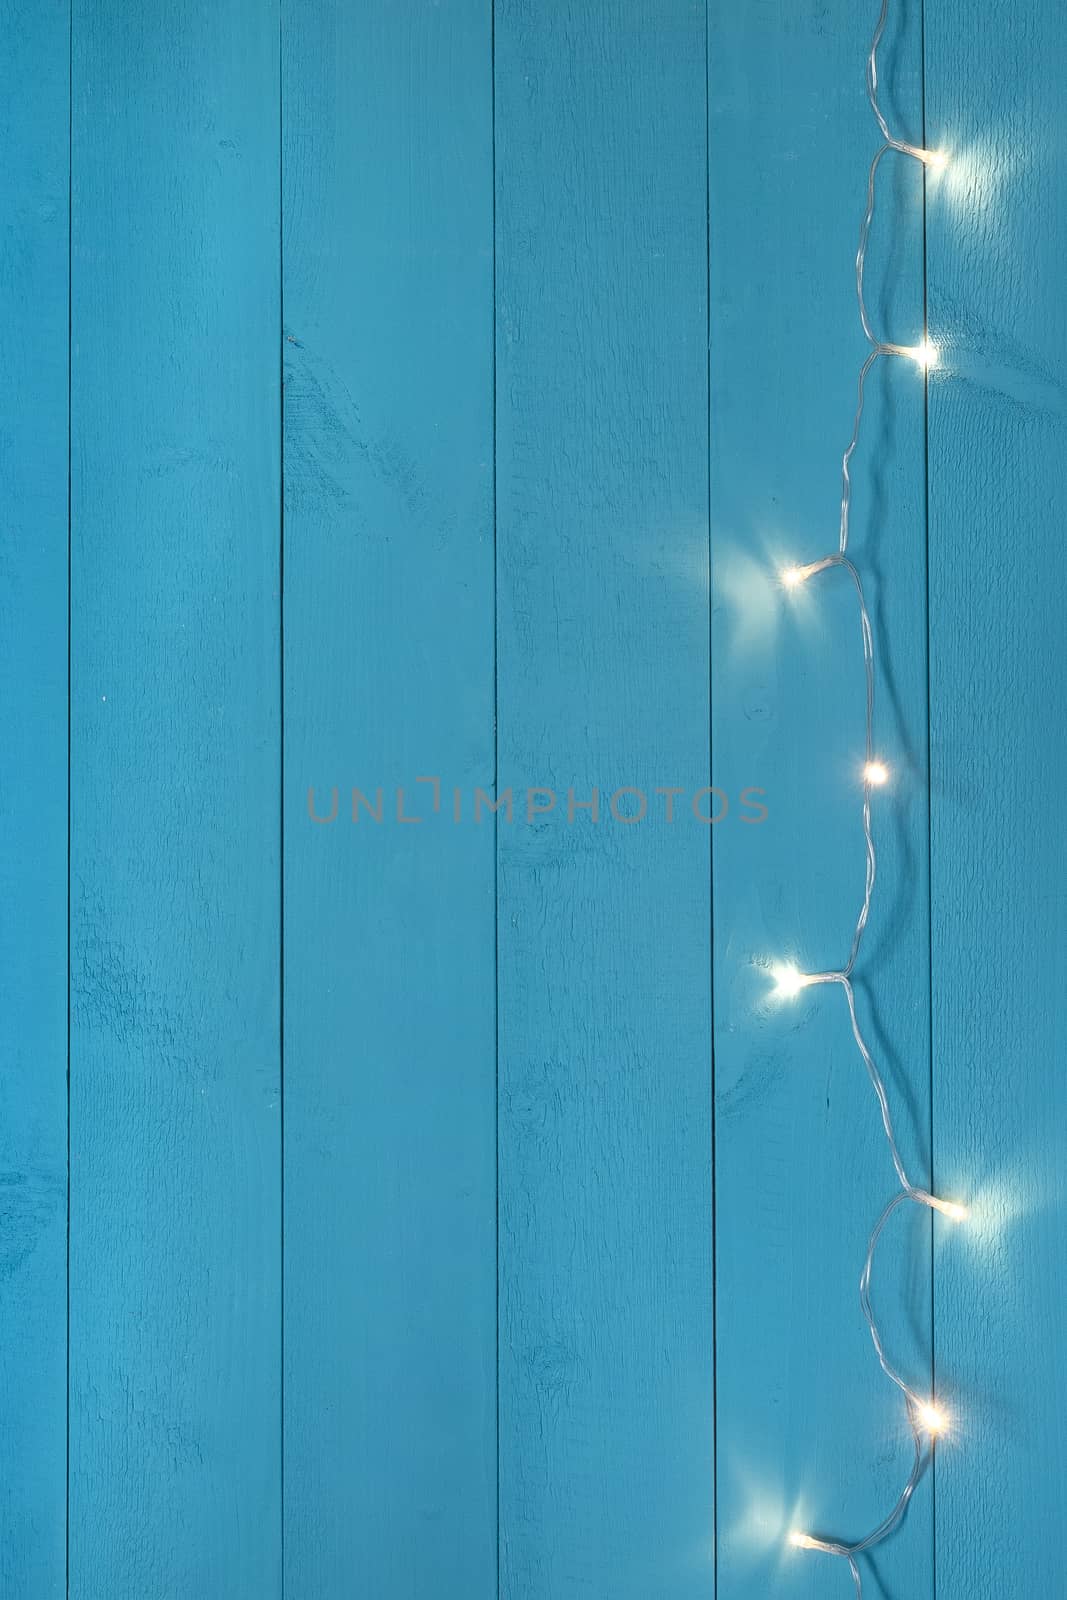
(792, 577)
(788, 981)
(936, 160)
(949, 1208)
(804, 1541)
(876, 772)
(933, 1419)
(924, 355)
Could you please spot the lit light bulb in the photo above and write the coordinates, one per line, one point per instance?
(933, 1419)
(804, 1541)
(949, 1208)
(792, 577)
(924, 355)
(936, 160)
(876, 772)
(788, 981)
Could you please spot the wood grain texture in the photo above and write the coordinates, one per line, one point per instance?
(545, 174)
(605, 1205)
(809, 1431)
(175, 1195)
(998, 489)
(34, 99)
(390, 1051)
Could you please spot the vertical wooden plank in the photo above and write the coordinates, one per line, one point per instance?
(34, 132)
(175, 1195)
(999, 749)
(390, 1186)
(605, 1205)
(809, 1431)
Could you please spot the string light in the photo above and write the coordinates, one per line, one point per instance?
(933, 1419)
(927, 1419)
(925, 355)
(948, 1208)
(788, 981)
(804, 1541)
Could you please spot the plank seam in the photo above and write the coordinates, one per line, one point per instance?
(711, 844)
(496, 777)
(281, 804)
(929, 791)
(70, 492)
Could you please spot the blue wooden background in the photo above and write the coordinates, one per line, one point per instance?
(419, 395)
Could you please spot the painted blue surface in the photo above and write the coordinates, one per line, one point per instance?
(390, 1021)
(444, 382)
(998, 486)
(34, 100)
(175, 1116)
(606, 1311)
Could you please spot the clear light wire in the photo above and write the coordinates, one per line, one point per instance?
(923, 1419)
